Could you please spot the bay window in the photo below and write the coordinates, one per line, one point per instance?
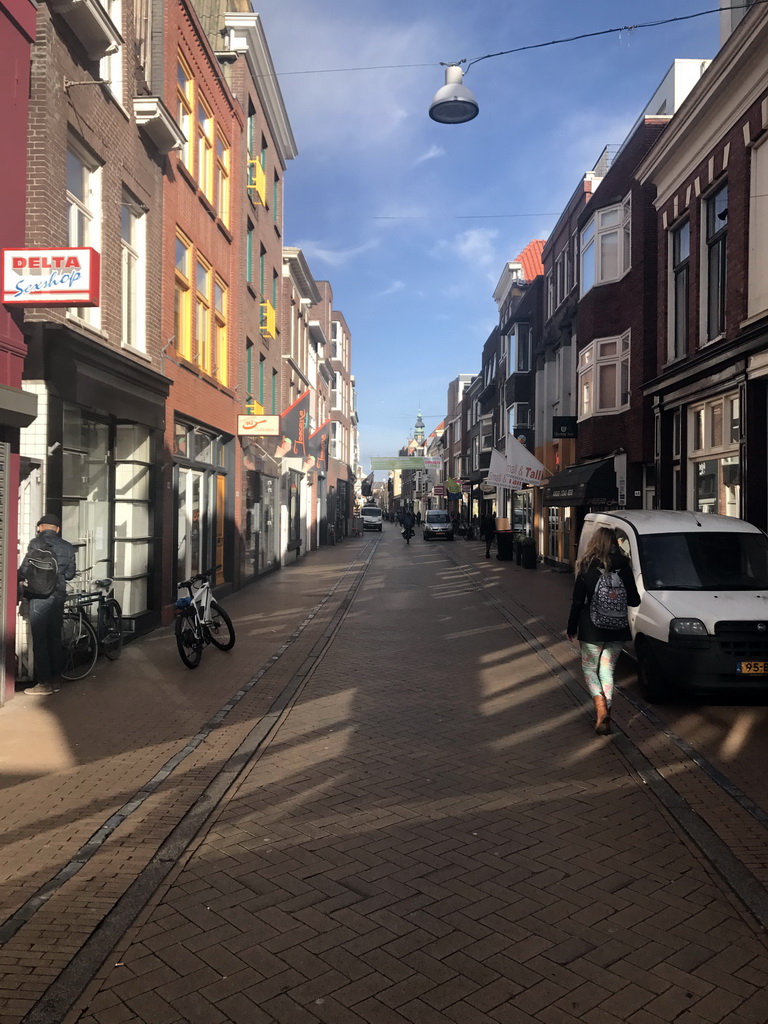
(603, 373)
(606, 245)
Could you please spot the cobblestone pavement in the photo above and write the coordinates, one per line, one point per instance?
(402, 814)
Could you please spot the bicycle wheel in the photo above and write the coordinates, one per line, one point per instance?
(80, 648)
(111, 629)
(220, 628)
(187, 640)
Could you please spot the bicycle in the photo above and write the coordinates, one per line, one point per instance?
(200, 620)
(82, 640)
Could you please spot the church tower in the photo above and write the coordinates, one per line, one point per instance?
(419, 429)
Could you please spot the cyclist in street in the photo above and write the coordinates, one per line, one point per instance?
(46, 610)
(408, 521)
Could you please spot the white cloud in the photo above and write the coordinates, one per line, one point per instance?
(333, 257)
(396, 286)
(476, 246)
(431, 154)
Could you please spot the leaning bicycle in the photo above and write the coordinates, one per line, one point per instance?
(200, 620)
(93, 624)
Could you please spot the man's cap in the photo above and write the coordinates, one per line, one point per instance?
(49, 520)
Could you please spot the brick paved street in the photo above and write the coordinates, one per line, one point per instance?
(431, 832)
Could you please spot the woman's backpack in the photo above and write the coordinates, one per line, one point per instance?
(608, 607)
(42, 571)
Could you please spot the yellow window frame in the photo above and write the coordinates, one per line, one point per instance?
(182, 299)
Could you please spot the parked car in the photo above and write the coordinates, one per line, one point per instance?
(373, 517)
(437, 523)
(702, 622)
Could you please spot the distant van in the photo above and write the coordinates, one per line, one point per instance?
(372, 517)
(702, 622)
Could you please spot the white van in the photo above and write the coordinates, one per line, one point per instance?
(702, 622)
(373, 517)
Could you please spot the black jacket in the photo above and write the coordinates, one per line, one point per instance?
(63, 552)
(579, 622)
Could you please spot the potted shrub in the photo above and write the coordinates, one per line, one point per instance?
(528, 552)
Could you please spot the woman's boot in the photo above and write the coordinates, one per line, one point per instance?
(602, 716)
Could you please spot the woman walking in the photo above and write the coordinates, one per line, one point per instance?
(603, 589)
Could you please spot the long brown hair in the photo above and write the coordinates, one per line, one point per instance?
(598, 549)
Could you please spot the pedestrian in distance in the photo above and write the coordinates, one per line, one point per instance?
(488, 532)
(418, 518)
(47, 565)
(604, 587)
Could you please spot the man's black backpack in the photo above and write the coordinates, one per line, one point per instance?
(42, 571)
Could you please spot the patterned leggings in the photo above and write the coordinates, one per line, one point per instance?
(598, 662)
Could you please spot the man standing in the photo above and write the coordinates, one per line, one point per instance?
(488, 532)
(47, 565)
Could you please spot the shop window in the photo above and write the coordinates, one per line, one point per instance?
(715, 470)
(133, 523)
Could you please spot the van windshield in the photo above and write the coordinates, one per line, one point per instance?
(437, 517)
(704, 561)
(371, 511)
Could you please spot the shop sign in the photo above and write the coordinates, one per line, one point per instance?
(564, 427)
(259, 426)
(439, 491)
(50, 277)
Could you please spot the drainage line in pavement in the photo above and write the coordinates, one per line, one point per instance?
(29, 908)
(72, 981)
(750, 891)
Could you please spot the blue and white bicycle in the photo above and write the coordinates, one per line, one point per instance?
(200, 620)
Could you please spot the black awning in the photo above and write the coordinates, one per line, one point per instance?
(582, 485)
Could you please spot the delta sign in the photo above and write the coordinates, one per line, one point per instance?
(50, 277)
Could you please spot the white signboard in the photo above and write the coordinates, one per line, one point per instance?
(518, 467)
(50, 277)
(259, 426)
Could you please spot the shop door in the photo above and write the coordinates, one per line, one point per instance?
(190, 519)
(268, 518)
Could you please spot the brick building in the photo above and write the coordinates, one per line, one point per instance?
(17, 408)
(98, 138)
(709, 387)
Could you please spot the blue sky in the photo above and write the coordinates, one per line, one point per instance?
(412, 221)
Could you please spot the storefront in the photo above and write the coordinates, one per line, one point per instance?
(92, 456)
(202, 470)
(260, 531)
(567, 498)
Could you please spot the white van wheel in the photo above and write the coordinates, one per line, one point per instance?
(650, 682)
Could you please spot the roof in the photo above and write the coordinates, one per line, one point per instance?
(530, 259)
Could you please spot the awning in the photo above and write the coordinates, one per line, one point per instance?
(582, 485)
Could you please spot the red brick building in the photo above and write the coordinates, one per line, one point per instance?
(97, 143)
(17, 408)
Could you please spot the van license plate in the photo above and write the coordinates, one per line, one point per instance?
(753, 668)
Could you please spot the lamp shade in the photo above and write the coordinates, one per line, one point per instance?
(453, 103)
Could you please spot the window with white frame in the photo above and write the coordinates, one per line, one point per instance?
(606, 245)
(550, 293)
(680, 258)
(713, 455)
(83, 211)
(142, 32)
(757, 273)
(716, 232)
(604, 376)
(111, 66)
(562, 274)
(133, 249)
(518, 416)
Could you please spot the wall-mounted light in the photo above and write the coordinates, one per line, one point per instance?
(453, 103)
